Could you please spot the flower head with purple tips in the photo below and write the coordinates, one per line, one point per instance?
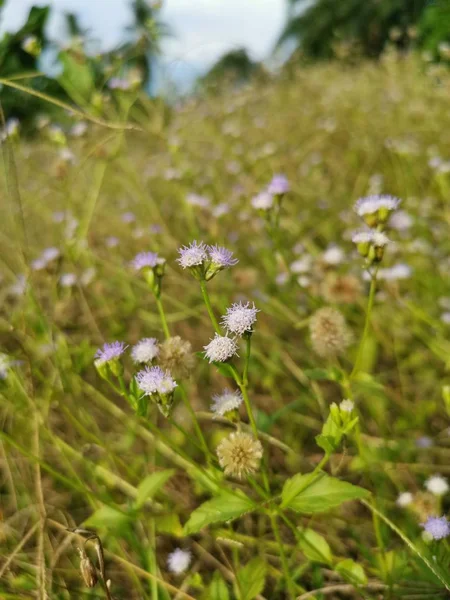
(221, 257)
(145, 350)
(220, 349)
(193, 255)
(240, 318)
(437, 527)
(153, 380)
(279, 185)
(145, 259)
(110, 351)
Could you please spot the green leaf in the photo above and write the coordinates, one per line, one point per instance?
(315, 547)
(150, 485)
(77, 77)
(351, 571)
(225, 507)
(317, 374)
(169, 523)
(252, 578)
(333, 374)
(326, 442)
(314, 494)
(218, 588)
(224, 369)
(109, 518)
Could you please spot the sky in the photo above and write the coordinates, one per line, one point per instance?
(202, 29)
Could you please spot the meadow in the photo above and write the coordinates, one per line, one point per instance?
(224, 368)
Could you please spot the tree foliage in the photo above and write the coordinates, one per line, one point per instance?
(322, 26)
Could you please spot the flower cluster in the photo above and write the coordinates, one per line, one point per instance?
(152, 266)
(270, 198)
(107, 358)
(158, 384)
(375, 212)
(240, 318)
(204, 261)
(145, 350)
(226, 403)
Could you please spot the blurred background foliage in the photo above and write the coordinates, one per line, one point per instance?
(314, 30)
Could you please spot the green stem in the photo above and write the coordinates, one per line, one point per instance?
(197, 427)
(359, 355)
(248, 349)
(209, 308)
(184, 396)
(248, 407)
(162, 316)
(284, 562)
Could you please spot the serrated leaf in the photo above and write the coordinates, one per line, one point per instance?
(225, 507)
(351, 571)
(218, 588)
(314, 494)
(108, 518)
(150, 485)
(252, 578)
(315, 547)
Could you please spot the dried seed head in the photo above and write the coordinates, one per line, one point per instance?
(239, 454)
(330, 335)
(175, 355)
(345, 289)
(87, 569)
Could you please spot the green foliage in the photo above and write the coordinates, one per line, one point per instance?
(225, 507)
(351, 571)
(315, 547)
(218, 589)
(150, 485)
(235, 66)
(108, 518)
(434, 26)
(325, 24)
(251, 578)
(318, 493)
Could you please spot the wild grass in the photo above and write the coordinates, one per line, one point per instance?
(75, 454)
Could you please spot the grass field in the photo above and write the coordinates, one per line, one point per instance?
(276, 490)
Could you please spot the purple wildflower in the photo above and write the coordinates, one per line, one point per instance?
(240, 318)
(279, 185)
(145, 259)
(220, 349)
(153, 380)
(50, 254)
(193, 255)
(372, 204)
(145, 350)
(437, 527)
(110, 351)
(221, 257)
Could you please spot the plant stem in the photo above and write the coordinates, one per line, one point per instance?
(196, 423)
(284, 563)
(162, 316)
(183, 393)
(244, 390)
(209, 308)
(248, 349)
(359, 355)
